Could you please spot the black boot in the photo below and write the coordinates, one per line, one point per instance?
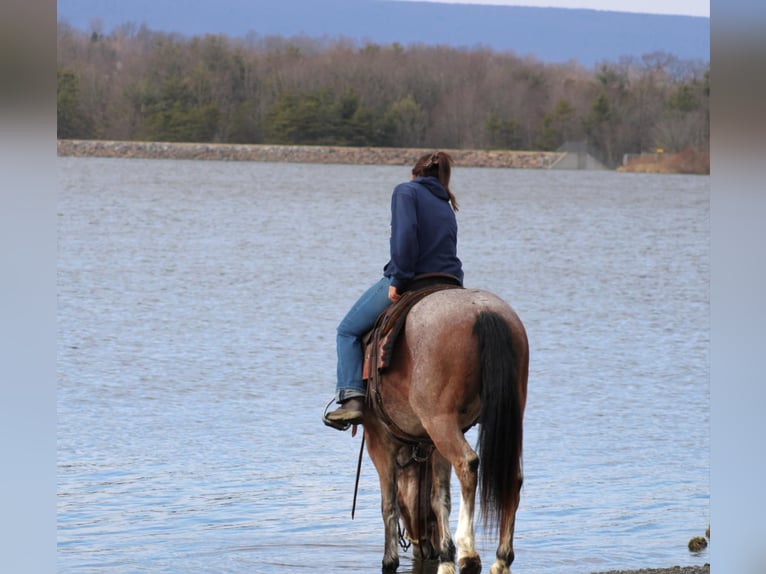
(349, 413)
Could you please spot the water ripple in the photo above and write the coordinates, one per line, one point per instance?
(197, 310)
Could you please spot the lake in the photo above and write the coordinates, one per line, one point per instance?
(197, 306)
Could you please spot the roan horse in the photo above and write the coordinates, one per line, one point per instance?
(461, 359)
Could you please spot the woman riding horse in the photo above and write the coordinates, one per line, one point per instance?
(462, 358)
(423, 241)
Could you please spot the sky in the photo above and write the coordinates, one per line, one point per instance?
(680, 7)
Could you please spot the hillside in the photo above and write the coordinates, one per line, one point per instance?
(547, 34)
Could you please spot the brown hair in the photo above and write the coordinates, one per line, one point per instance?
(437, 164)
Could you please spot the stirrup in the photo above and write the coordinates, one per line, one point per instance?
(338, 425)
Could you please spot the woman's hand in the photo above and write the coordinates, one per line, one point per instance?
(393, 294)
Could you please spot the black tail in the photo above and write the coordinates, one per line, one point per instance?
(500, 431)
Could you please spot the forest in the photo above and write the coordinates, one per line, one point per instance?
(137, 84)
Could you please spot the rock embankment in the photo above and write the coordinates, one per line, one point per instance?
(299, 154)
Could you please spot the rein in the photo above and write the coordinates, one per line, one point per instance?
(419, 454)
(404, 542)
(358, 472)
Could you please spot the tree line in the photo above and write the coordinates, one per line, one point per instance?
(137, 84)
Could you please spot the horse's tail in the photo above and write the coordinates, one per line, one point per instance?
(500, 431)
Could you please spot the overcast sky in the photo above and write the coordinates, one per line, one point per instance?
(684, 7)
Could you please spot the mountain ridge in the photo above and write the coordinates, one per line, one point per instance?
(554, 35)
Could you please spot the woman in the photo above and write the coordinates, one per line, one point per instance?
(423, 240)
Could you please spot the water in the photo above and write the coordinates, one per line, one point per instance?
(197, 305)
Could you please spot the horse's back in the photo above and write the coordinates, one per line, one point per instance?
(455, 307)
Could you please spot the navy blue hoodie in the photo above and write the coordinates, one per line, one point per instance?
(423, 232)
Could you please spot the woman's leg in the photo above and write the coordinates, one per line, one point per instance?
(357, 322)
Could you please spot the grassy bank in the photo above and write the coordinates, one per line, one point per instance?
(690, 161)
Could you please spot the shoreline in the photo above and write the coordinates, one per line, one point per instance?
(299, 153)
(704, 569)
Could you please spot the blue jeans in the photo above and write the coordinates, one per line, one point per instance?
(357, 322)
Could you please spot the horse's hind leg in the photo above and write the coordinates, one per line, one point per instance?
(505, 554)
(450, 442)
(468, 558)
(441, 504)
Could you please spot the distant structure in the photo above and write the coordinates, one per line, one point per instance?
(575, 155)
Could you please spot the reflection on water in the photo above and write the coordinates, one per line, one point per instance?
(197, 311)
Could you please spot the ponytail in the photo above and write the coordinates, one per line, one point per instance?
(437, 164)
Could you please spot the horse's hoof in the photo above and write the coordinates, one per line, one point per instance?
(446, 568)
(470, 564)
(390, 566)
(424, 550)
(500, 567)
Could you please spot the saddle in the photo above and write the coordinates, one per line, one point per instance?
(379, 342)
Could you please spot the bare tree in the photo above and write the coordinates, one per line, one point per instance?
(133, 81)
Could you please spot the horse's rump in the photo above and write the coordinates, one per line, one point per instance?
(435, 365)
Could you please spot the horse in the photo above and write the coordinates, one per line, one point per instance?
(461, 359)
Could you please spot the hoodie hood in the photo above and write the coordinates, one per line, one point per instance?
(434, 186)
